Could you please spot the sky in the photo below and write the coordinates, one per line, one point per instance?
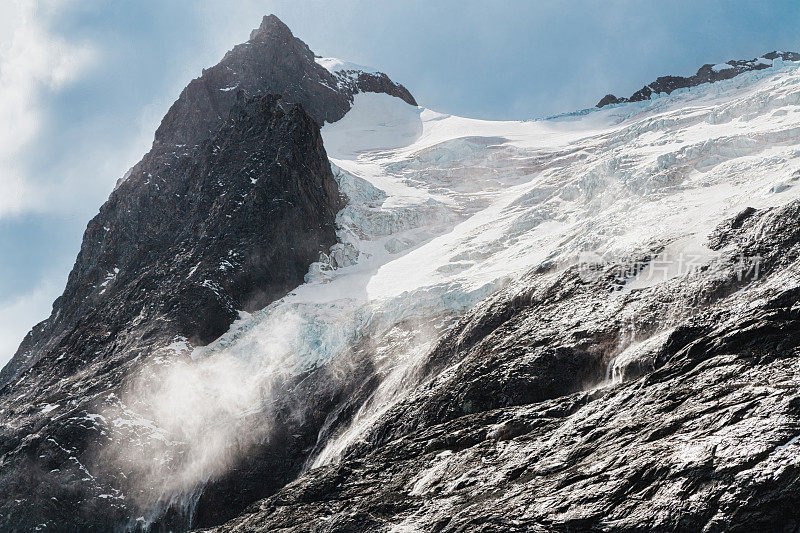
(84, 84)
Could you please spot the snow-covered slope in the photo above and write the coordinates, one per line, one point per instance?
(613, 181)
(444, 210)
(658, 397)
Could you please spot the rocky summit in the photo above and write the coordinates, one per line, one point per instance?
(316, 306)
(273, 61)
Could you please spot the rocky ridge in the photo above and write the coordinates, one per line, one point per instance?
(708, 73)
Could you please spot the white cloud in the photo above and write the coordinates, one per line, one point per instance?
(33, 62)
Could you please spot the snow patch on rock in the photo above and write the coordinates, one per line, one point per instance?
(335, 65)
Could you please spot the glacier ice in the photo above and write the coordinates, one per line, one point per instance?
(444, 210)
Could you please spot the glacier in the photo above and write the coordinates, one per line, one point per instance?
(444, 211)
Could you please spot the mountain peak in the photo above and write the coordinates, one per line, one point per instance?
(271, 26)
(273, 61)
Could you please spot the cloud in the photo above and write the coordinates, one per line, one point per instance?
(33, 63)
(184, 421)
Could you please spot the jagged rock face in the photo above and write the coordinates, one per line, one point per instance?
(553, 407)
(182, 245)
(273, 61)
(706, 74)
(194, 236)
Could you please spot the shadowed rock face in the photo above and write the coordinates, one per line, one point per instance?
(195, 235)
(273, 61)
(707, 74)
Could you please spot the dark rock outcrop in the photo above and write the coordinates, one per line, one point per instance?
(273, 61)
(706, 74)
(193, 236)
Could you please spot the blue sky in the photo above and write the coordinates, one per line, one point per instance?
(83, 85)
